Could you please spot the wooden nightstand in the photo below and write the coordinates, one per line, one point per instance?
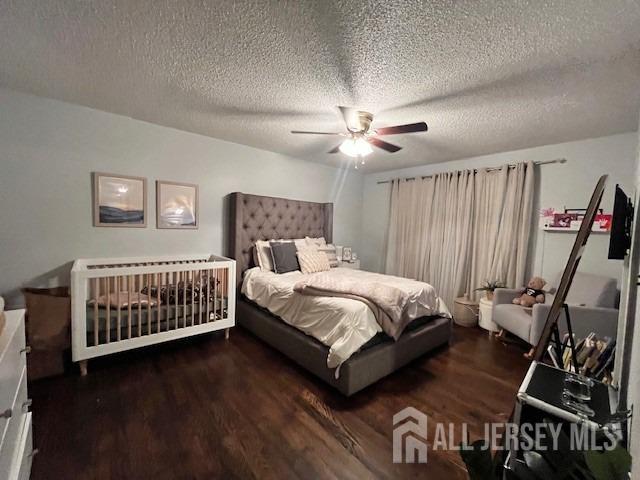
(355, 264)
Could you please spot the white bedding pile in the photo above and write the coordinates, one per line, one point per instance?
(342, 324)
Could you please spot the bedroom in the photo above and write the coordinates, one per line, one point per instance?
(207, 95)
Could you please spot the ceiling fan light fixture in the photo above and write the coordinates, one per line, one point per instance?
(356, 147)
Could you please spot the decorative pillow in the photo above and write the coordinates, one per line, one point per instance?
(136, 298)
(316, 242)
(312, 261)
(300, 243)
(262, 256)
(262, 252)
(283, 257)
(184, 290)
(330, 250)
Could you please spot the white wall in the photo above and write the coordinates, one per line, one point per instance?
(558, 185)
(48, 150)
(634, 355)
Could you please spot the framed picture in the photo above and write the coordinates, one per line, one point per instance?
(346, 254)
(119, 200)
(176, 205)
(563, 220)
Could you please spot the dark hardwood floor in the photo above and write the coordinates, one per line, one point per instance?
(206, 408)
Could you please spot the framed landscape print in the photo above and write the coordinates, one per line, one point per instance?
(176, 205)
(119, 200)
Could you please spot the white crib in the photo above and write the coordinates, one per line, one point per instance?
(123, 303)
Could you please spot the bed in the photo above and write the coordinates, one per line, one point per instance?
(256, 217)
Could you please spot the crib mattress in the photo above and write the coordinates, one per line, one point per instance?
(145, 322)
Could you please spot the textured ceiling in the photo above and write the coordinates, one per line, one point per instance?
(486, 76)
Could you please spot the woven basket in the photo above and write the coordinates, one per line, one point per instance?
(465, 312)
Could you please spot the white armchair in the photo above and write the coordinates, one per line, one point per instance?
(593, 307)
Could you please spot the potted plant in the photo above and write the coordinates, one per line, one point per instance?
(489, 286)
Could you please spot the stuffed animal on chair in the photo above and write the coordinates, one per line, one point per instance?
(532, 294)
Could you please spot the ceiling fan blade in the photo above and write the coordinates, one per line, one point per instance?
(316, 133)
(335, 150)
(389, 147)
(351, 118)
(409, 128)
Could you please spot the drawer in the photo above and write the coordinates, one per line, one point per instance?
(12, 363)
(26, 452)
(14, 425)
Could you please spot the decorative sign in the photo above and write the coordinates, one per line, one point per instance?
(570, 219)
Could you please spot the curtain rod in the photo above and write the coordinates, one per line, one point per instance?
(490, 169)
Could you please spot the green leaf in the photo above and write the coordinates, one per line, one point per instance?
(609, 465)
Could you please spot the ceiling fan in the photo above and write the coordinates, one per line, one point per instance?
(360, 136)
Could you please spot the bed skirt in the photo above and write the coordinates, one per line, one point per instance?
(361, 370)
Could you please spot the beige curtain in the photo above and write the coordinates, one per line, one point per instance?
(502, 224)
(455, 230)
(429, 232)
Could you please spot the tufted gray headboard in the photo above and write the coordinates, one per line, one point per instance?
(256, 217)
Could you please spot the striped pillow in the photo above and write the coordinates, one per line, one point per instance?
(312, 261)
(330, 250)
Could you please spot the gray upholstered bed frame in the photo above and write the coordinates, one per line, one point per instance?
(256, 217)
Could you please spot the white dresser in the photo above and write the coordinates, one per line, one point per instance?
(16, 443)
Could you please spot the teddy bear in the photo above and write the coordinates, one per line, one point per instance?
(532, 294)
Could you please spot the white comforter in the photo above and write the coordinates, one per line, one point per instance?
(342, 324)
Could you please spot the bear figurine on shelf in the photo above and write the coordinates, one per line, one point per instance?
(532, 294)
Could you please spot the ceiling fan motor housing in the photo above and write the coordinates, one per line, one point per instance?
(364, 119)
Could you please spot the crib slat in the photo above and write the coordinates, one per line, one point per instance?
(96, 313)
(161, 284)
(176, 314)
(158, 304)
(226, 288)
(223, 291)
(129, 287)
(208, 317)
(199, 297)
(167, 284)
(219, 294)
(118, 312)
(167, 306)
(138, 288)
(213, 300)
(216, 296)
(214, 281)
(149, 297)
(221, 276)
(184, 299)
(108, 309)
(193, 295)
